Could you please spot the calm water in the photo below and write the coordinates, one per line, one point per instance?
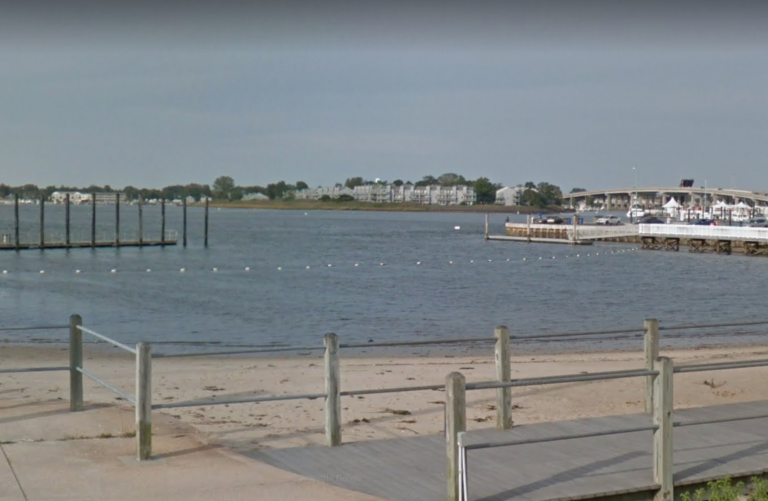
(489, 283)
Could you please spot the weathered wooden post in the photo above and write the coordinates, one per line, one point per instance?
(93, 220)
(662, 437)
(486, 226)
(455, 423)
(66, 219)
(332, 391)
(75, 361)
(162, 220)
(651, 348)
(42, 221)
(184, 225)
(143, 401)
(141, 221)
(503, 375)
(117, 219)
(16, 219)
(206, 222)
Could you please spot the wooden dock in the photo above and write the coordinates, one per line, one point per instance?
(609, 467)
(86, 245)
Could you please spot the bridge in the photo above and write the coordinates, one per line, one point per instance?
(656, 195)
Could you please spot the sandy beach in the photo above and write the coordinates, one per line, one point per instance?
(298, 423)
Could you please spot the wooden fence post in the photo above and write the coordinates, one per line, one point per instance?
(651, 348)
(332, 389)
(75, 361)
(662, 437)
(503, 375)
(455, 423)
(143, 401)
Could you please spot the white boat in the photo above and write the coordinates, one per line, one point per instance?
(636, 211)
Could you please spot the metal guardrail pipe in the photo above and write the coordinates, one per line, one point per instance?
(571, 378)
(721, 366)
(34, 369)
(577, 334)
(111, 341)
(557, 438)
(712, 326)
(254, 400)
(106, 385)
(238, 352)
(402, 389)
(34, 328)
(420, 343)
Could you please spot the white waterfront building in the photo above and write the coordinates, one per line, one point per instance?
(509, 196)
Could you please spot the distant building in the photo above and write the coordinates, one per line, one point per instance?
(255, 196)
(75, 197)
(510, 196)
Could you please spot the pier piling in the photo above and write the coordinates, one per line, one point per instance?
(206, 222)
(455, 423)
(93, 220)
(42, 221)
(16, 219)
(66, 219)
(117, 219)
(184, 224)
(141, 221)
(162, 219)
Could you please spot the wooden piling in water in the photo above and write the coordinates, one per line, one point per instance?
(486, 226)
(42, 221)
(117, 219)
(141, 220)
(184, 224)
(93, 220)
(16, 219)
(66, 219)
(206, 222)
(162, 219)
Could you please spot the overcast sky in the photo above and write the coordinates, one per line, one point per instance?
(576, 96)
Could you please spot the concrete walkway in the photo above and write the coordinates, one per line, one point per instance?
(48, 453)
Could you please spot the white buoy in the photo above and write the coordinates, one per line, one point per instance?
(539, 258)
(182, 270)
(330, 265)
(307, 266)
(381, 264)
(215, 270)
(357, 264)
(305, 213)
(523, 259)
(247, 268)
(5, 272)
(457, 227)
(507, 259)
(418, 263)
(577, 255)
(113, 270)
(490, 260)
(450, 262)
(553, 257)
(77, 272)
(279, 268)
(471, 261)
(149, 270)
(42, 272)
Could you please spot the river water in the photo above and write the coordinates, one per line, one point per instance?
(357, 274)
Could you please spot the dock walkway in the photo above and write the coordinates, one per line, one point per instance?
(408, 469)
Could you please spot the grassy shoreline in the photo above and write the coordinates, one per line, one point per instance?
(386, 207)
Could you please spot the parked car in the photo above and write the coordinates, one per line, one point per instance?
(758, 221)
(650, 220)
(704, 222)
(554, 220)
(608, 220)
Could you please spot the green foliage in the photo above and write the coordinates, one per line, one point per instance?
(485, 191)
(354, 181)
(725, 490)
(222, 187)
(301, 185)
(577, 190)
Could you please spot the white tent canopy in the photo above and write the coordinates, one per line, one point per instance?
(672, 204)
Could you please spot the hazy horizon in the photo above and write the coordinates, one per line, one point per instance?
(575, 95)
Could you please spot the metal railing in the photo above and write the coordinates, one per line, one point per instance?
(704, 232)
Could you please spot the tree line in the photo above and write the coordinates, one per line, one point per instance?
(224, 188)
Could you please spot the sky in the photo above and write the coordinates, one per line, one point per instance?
(579, 94)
